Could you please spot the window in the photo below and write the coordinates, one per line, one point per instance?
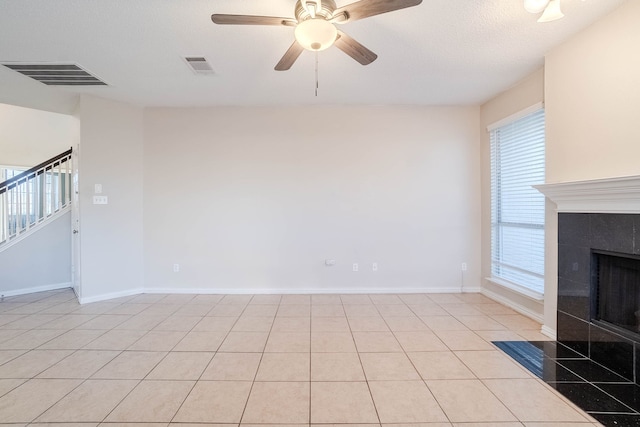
(517, 209)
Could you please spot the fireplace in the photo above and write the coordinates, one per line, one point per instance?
(597, 274)
(616, 279)
(599, 220)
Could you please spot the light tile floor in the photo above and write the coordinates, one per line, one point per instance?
(299, 360)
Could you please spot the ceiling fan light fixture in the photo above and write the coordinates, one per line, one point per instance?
(535, 6)
(316, 34)
(552, 12)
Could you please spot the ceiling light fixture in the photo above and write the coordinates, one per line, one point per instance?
(316, 34)
(551, 9)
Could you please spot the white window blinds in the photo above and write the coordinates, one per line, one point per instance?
(517, 209)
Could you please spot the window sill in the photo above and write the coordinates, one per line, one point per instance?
(516, 288)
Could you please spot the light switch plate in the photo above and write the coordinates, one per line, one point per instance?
(100, 200)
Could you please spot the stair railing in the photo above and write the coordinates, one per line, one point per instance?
(34, 196)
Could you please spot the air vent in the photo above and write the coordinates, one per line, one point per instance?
(56, 74)
(199, 64)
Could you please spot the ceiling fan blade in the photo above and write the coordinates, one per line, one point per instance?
(223, 19)
(354, 49)
(289, 57)
(365, 8)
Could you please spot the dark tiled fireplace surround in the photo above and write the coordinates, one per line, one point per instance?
(579, 235)
(595, 365)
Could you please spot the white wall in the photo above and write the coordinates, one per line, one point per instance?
(111, 154)
(255, 199)
(40, 261)
(29, 137)
(528, 92)
(592, 96)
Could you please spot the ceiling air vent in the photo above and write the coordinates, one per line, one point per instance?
(199, 64)
(56, 74)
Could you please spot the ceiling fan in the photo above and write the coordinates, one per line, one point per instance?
(315, 28)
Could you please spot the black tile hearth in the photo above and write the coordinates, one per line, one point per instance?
(605, 395)
(590, 398)
(591, 371)
(556, 350)
(618, 420)
(629, 394)
(553, 372)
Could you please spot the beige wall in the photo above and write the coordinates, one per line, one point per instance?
(255, 199)
(111, 154)
(592, 96)
(593, 100)
(525, 94)
(29, 137)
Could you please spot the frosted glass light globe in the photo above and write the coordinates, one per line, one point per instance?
(316, 34)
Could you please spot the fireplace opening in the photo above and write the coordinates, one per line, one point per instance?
(617, 284)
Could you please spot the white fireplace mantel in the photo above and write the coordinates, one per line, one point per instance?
(610, 195)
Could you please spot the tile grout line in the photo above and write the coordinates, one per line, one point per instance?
(237, 318)
(246, 403)
(153, 368)
(213, 357)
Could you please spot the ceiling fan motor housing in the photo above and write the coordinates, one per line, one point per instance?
(326, 9)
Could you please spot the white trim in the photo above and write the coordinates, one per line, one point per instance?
(547, 331)
(113, 295)
(529, 293)
(44, 288)
(305, 291)
(23, 235)
(609, 195)
(515, 116)
(509, 303)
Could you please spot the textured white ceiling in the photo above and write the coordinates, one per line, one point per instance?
(442, 52)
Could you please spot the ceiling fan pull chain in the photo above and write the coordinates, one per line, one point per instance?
(316, 73)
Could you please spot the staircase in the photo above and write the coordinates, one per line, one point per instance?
(34, 197)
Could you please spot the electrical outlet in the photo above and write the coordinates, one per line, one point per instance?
(464, 266)
(329, 262)
(176, 268)
(374, 266)
(355, 266)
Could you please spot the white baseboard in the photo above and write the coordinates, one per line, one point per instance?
(517, 307)
(34, 289)
(112, 295)
(304, 291)
(551, 333)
